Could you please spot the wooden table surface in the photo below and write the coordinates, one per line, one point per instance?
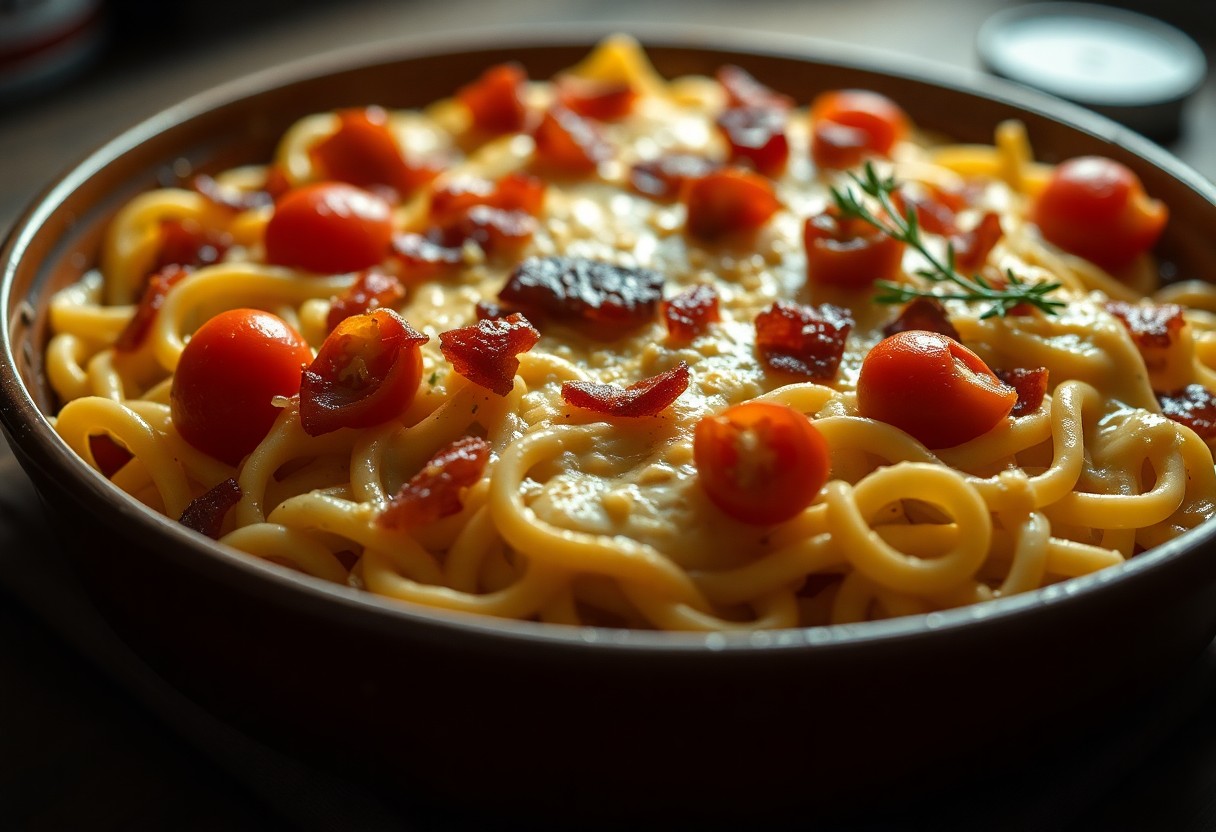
(86, 737)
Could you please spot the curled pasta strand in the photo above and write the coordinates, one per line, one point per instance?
(292, 547)
(623, 558)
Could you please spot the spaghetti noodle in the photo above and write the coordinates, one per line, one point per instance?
(599, 515)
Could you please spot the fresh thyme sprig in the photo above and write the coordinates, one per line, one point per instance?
(906, 229)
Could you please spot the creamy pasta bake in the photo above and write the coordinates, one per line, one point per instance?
(619, 350)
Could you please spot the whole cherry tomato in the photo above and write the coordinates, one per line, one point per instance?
(932, 387)
(226, 377)
(727, 202)
(1096, 208)
(848, 125)
(329, 227)
(848, 252)
(760, 462)
(365, 373)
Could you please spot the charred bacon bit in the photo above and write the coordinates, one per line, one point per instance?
(1031, 386)
(804, 340)
(136, 331)
(756, 137)
(488, 310)
(648, 397)
(108, 455)
(728, 202)
(485, 353)
(600, 100)
(1193, 406)
(186, 243)
(743, 90)
(922, 313)
(689, 313)
(205, 513)
(513, 192)
(1150, 325)
(568, 143)
(664, 178)
(600, 299)
(363, 152)
(435, 491)
(496, 231)
(496, 99)
(423, 256)
(372, 290)
(971, 248)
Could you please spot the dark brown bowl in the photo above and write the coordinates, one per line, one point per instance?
(517, 714)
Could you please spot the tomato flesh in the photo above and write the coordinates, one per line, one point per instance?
(728, 202)
(229, 372)
(363, 152)
(932, 387)
(848, 125)
(1096, 208)
(760, 462)
(365, 373)
(329, 228)
(849, 252)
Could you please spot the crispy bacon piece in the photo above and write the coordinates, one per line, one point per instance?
(495, 230)
(664, 178)
(108, 454)
(600, 100)
(1151, 325)
(485, 353)
(233, 199)
(1031, 386)
(971, 248)
(435, 491)
(487, 310)
(372, 290)
(600, 299)
(136, 331)
(689, 313)
(647, 397)
(804, 340)
(363, 152)
(513, 192)
(743, 90)
(186, 243)
(727, 202)
(1193, 406)
(423, 256)
(756, 137)
(933, 213)
(205, 513)
(496, 99)
(568, 143)
(838, 146)
(922, 313)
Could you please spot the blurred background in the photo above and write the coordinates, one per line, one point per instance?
(88, 739)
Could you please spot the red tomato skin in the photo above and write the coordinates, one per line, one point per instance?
(871, 122)
(1096, 208)
(390, 363)
(227, 375)
(932, 387)
(728, 202)
(779, 473)
(329, 228)
(848, 253)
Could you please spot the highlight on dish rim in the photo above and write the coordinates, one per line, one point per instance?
(615, 349)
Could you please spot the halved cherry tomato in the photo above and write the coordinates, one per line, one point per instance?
(365, 373)
(729, 201)
(760, 462)
(329, 227)
(848, 125)
(226, 377)
(364, 152)
(848, 252)
(1097, 208)
(932, 387)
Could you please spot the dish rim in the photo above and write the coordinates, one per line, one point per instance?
(27, 426)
